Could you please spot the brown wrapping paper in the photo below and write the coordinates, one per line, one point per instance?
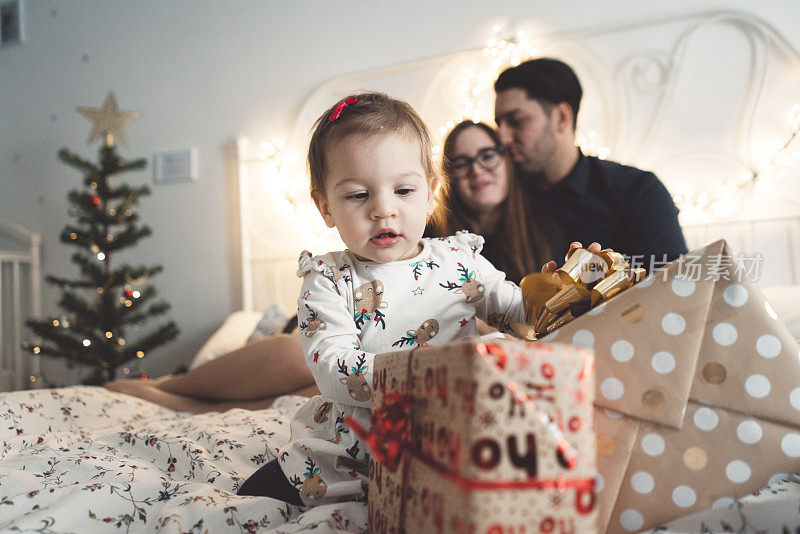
(472, 440)
(698, 391)
(717, 456)
(686, 332)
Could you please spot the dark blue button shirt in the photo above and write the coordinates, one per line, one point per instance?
(618, 206)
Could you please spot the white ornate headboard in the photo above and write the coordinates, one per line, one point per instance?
(700, 99)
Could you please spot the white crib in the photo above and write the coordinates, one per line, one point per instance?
(20, 299)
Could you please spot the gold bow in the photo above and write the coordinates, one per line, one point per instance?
(584, 281)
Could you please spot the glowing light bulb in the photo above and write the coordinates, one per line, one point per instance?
(101, 256)
(55, 322)
(139, 354)
(37, 350)
(109, 334)
(86, 342)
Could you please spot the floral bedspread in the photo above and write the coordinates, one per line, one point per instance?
(84, 459)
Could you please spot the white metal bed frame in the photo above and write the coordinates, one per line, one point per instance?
(776, 239)
(17, 304)
(268, 270)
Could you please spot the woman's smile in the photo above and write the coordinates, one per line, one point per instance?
(479, 185)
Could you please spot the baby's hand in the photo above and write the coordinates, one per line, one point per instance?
(594, 248)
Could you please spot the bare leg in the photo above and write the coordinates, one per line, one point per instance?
(257, 372)
(148, 391)
(268, 367)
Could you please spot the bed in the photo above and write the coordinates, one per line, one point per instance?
(84, 459)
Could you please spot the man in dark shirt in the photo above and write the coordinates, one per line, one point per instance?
(582, 198)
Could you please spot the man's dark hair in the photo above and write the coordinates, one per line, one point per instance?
(546, 80)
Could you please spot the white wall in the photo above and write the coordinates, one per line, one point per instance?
(201, 72)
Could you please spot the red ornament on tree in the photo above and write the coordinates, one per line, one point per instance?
(95, 200)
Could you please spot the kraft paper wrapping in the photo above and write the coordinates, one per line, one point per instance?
(717, 457)
(693, 330)
(476, 449)
(708, 380)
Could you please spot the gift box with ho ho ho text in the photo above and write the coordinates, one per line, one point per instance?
(483, 436)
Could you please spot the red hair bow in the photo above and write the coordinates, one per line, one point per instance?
(343, 104)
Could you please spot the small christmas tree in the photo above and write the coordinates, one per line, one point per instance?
(105, 304)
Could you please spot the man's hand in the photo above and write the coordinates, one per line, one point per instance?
(551, 266)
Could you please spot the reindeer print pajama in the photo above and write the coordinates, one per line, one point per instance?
(349, 311)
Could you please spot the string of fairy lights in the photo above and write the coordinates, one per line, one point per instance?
(473, 93)
(724, 199)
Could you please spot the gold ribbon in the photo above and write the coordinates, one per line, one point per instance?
(583, 282)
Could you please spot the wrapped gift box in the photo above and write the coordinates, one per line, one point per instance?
(485, 449)
(708, 380)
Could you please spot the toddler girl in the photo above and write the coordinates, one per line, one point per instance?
(372, 177)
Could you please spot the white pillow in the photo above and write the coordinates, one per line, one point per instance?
(231, 335)
(785, 300)
(272, 322)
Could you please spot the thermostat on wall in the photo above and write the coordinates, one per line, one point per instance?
(176, 166)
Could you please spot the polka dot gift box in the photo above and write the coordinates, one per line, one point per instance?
(698, 385)
(479, 436)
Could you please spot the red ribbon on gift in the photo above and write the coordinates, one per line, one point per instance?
(390, 436)
(390, 430)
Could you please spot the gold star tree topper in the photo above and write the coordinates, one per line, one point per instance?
(108, 121)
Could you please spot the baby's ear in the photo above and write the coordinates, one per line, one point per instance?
(433, 187)
(322, 205)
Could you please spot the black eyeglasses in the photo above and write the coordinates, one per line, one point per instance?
(487, 158)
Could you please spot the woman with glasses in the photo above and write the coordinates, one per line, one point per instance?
(483, 196)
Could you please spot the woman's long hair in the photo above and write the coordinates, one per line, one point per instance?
(518, 245)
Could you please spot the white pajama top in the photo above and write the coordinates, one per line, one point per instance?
(349, 310)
